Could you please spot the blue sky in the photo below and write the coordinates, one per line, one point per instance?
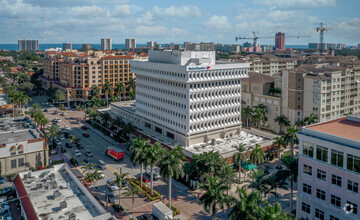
(164, 21)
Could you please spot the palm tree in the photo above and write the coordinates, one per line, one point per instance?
(283, 121)
(215, 195)
(312, 119)
(131, 84)
(228, 176)
(300, 123)
(59, 96)
(257, 180)
(132, 191)
(279, 142)
(259, 116)
(275, 181)
(107, 88)
(52, 133)
(274, 213)
(137, 148)
(291, 137)
(171, 165)
(42, 122)
(247, 113)
(35, 109)
(240, 156)
(257, 155)
(92, 112)
(74, 139)
(105, 118)
(247, 206)
(128, 129)
(87, 168)
(95, 102)
(120, 89)
(95, 91)
(118, 122)
(132, 95)
(93, 177)
(153, 154)
(119, 179)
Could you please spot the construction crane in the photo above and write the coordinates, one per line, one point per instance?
(255, 38)
(321, 29)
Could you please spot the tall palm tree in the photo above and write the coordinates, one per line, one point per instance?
(282, 121)
(92, 112)
(23, 100)
(42, 122)
(95, 102)
(132, 191)
(247, 113)
(240, 156)
(257, 155)
(131, 84)
(215, 195)
(120, 89)
(137, 148)
(247, 206)
(300, 123)
(274, 213)
(274, 182)
(34, 109)
(74, 139)
(128, 129)
(93, 177)
(171, 165)
(153, 154)
(87, 168)
(259, 116)
(228, 176)
(107, 88)
(312, 119)
(257, 180)
(119, 122)
(119, 179)
(291, 137)
(279, 142)
(95, 91)
(52, 133)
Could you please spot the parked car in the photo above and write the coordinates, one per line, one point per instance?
(2, 179)
(67, 135)
(5, 210)
(79, 146)
(77, 153)
(145, 179)
(111, 197)
(147, 217)
(68, 145)
(55, 112)
(87, 161)
(101, 174)
(67, 127)
(58, 142)
(89, 153)
(86, 135)
(102, 165)
(63, 113)
(84, 127)
(62, 138)
(46, 110)
(113, 186)
(156, 173)
(52, 152)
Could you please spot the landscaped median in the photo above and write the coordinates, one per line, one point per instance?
(145, 190)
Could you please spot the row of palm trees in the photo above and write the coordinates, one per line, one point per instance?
(18, 99)
(38, 116)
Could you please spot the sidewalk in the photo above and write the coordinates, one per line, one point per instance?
(60, 156)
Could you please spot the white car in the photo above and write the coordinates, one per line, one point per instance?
(67, 127)
(63, 113)
(59, 120)
(101, 174)
(77, 153)
(62, 138)
(156, 172)
(112, 187)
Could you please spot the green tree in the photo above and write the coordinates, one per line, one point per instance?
(95, 102)
(107, 88)
(127, 130)
(119, 179)
(274, 182)
(92, 112)
(120, 89)
(87, 168)
(74, 139)
(59, 96)
(137, 156)
(34, 109)
(312, 119)
(257, 180)
(26, 87)
(215, 196)
(93, 177)
(154, 154)
(52, 133)
(171, 165)
(95, 91)
(274, 213)
(257, 155)
(259, 116)
(279, 142)
(282, 121)
(227, 175)
(43, 121)
(132, 191)
(247, 206)
(208, 163)
(132, 95)
(240, 156)
(291, 137)
(247, 113)
(131, 84)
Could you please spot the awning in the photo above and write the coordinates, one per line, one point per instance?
(249, 166)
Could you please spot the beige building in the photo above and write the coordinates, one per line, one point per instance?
(256, 91)
(75, 73)
(21, 146)
(326, 91)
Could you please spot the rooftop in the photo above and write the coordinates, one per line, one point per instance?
(17, 129)
(345, 127)
(56, 193)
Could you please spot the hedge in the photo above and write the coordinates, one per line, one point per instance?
(55, 162)
(145, 190)
(117, 208)
(175, 210)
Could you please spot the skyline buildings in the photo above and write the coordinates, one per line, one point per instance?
(106, 44)
(67, 46)
(29, 45)
(130, 43)
(280, 41)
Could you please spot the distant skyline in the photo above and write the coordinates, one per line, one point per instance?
(87, 21)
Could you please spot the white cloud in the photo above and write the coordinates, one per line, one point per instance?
(347, 29)
(189, 11)
(89, 11)
(122, 10)
(218, 23)
(297, 4)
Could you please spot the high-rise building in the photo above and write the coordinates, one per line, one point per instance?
(130, 43)
(313, 46)
(106, 44)
(151, 44)
(30, 45)
(247, 44)
(329, 170)
(187, 45)
(186, 96)
(86, 47)
(67, 46)
(280, 41)
(340, 46)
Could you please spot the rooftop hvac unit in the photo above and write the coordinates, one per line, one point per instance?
(38, 185)
(63, 205)
(72, 216)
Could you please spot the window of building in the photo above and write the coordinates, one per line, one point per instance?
(353, 163)
(352, 207)
(319, 214)
(307, 169)
(170, 135)
(353, 186)
(321, 174)
(337, 158)
(159, 130)
(322, 153)
(305, 207)
(308, 149)
(12, 150)
(320, 194)
(333, 218)
(336, 180)
(336, 201)
(13, 164)
(21, 162)
(307, 188)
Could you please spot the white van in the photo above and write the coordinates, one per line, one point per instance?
(102, 165)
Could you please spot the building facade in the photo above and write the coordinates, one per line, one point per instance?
(130, 43)
(329, 170)
(86, 47)
(67, 46)
(30, 45)
(151, 44)
(186, 96)
(280, 41)
(106, 44)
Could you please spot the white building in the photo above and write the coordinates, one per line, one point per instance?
(67, 46)
(186, 96)
(53, 49)
(31, 45)
(130, 43)
(151, 44)
(106, 44)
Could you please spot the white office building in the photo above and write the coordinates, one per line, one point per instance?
(130, 43)
(186, 96)
(106, 44)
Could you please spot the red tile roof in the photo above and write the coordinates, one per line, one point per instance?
(340, 127)
(117, 57)
(143, 54)
(131, 53)
(25, 200)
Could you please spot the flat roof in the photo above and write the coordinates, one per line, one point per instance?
(16, 136)
(341, 127)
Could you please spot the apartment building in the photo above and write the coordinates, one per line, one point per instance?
(280, 41)
(269, 64)
(186, 96)
(67, 46)
(130, 44)
(22, 146)
(76, 72)
(329, 170)
(106, 44)
(30, 45)
(324, 90)
(86, 47)
(256, 91)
